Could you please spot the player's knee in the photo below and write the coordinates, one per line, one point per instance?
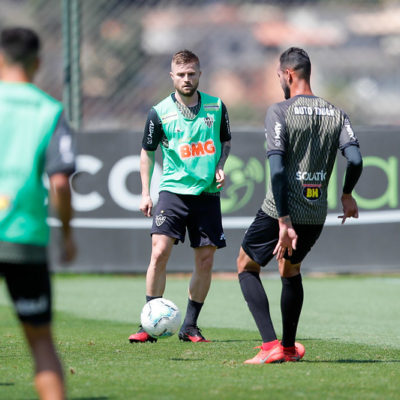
(240, 264)
(288, 270)
(204, 258)
(159, 255)
(205, 263)
(244, 262)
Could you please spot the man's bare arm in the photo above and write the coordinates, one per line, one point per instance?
(146, 172)
(60, 199)
(219, 171)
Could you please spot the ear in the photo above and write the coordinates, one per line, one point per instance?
(38, 63)
(171, 74)
(289, 75)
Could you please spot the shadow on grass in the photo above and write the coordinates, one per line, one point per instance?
(7, 384)
(236, 341)
(89, 398)
(187, 359)
(350, 361)
(82, 398)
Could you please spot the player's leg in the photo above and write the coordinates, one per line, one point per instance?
(257, 249)
(257, 301)
(198, 289)
(292, 289)
(30, 290)
(155, 278)
(255, 296)
(206, 235)
(292, 296)
(201, 277)
(169, 226)
(291, 300)
(49, 380)
(157, 269)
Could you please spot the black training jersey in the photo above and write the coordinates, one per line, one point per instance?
(307, 131)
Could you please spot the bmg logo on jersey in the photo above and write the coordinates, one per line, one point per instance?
(199, 149)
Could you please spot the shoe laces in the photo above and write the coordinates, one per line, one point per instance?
(197, 329)
(194, 330)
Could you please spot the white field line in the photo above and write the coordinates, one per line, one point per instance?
(365, 218)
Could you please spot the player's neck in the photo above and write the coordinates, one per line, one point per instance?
(301, 88)
(16, 75)
(188, 101)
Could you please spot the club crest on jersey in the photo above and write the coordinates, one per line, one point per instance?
(160, 219)
(312, 192)
(209, 120)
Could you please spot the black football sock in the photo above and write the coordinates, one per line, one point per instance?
(257, 300)
(291, 304)
(192, 313)
(149, 298)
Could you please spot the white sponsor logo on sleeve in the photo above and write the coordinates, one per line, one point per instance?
(65, 148)
(278, 131)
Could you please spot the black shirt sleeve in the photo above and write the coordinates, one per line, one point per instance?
(347, 136)
(354, 168)
(225, 133)
(275, 130)
(153, 131)
(279, 183)
(61, 151)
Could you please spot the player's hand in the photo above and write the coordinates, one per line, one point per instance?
(146, 206)
(68, 249)
(287, 238)
(350, 208)
(220, 177)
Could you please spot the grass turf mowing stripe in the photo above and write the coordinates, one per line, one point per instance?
(100, 364)
(95, 315)
(349, 309)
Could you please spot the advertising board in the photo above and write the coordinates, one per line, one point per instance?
(113, 235)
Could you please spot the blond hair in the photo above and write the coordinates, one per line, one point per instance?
(185, 57)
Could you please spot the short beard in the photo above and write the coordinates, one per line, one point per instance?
(286, 91)
(188, 94)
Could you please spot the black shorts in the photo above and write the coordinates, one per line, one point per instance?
(30, 290)
(262, 236)
(201, 215)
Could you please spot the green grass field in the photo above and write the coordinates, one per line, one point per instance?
(350, 327)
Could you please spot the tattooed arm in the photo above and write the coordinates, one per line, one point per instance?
(219, 171)
(225, 137)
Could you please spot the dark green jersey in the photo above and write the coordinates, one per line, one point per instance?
(307, 131)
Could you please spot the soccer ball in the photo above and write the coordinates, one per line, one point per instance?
(160, 318)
